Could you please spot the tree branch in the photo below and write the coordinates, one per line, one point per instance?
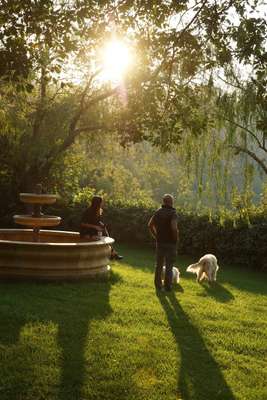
(73, 131)
(261, 146)
(252, 155)
(173, 46)
(41, 109)
(90, 128)
(237, 86)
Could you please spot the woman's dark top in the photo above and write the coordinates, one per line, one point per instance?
(90, 217)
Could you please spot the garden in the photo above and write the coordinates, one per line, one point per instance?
(128, 101)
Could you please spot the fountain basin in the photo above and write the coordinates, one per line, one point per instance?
(46, 220)
(59, 255)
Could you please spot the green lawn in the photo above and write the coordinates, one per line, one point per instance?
(119, 340)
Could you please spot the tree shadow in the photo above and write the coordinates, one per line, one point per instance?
(200, 377)
(218, 292)
(69, 307)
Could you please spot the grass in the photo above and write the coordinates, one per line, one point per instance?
(119, 340)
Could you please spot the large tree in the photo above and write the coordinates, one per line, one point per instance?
(177, 45)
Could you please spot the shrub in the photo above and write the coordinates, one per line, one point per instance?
(236, 240)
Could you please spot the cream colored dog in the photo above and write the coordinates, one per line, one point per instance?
(205, 268)
(175, 274)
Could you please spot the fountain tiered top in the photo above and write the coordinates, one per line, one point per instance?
(35, 198)
(37, 219)
(37, 222)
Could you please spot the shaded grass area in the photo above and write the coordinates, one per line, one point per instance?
(117, 339)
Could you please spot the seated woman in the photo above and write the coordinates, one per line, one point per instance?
(92, 227)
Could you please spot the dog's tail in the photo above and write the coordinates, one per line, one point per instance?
(194, 268)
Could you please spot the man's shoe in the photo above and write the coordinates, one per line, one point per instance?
(118, 257)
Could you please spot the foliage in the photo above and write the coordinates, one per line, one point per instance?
(30, 29)
(173, 42)
(238, 238)
(198, 37)
(200, 172)
(234, 241)
(243, 113)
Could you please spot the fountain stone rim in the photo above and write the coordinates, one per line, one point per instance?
(102, 240)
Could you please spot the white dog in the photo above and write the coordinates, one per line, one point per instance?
(175, 274)
(206, 267)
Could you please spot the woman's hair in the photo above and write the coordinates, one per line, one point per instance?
(96, 203)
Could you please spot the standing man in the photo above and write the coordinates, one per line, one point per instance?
(163, 227)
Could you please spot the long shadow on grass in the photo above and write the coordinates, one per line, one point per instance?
(218, 292)
(74, 335)
(200, 377)
(245, 279)
(71, 308)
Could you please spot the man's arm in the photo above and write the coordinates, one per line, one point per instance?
(152, 228)
(175, 230)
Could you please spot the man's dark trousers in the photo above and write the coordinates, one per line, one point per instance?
(165, 255)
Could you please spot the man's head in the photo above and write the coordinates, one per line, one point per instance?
(167, 200)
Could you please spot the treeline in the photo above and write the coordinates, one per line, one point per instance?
(211, 183)
(201, 172)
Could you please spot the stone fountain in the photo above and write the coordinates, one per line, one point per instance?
(38, 254)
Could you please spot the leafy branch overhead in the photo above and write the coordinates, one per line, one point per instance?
(179, 50)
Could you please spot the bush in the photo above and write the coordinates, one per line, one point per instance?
(235, 240)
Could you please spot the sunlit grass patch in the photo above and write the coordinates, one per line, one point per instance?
(117, 339)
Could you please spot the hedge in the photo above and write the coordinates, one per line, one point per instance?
(239, 243)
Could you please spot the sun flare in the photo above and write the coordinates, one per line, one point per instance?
(116, 60)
